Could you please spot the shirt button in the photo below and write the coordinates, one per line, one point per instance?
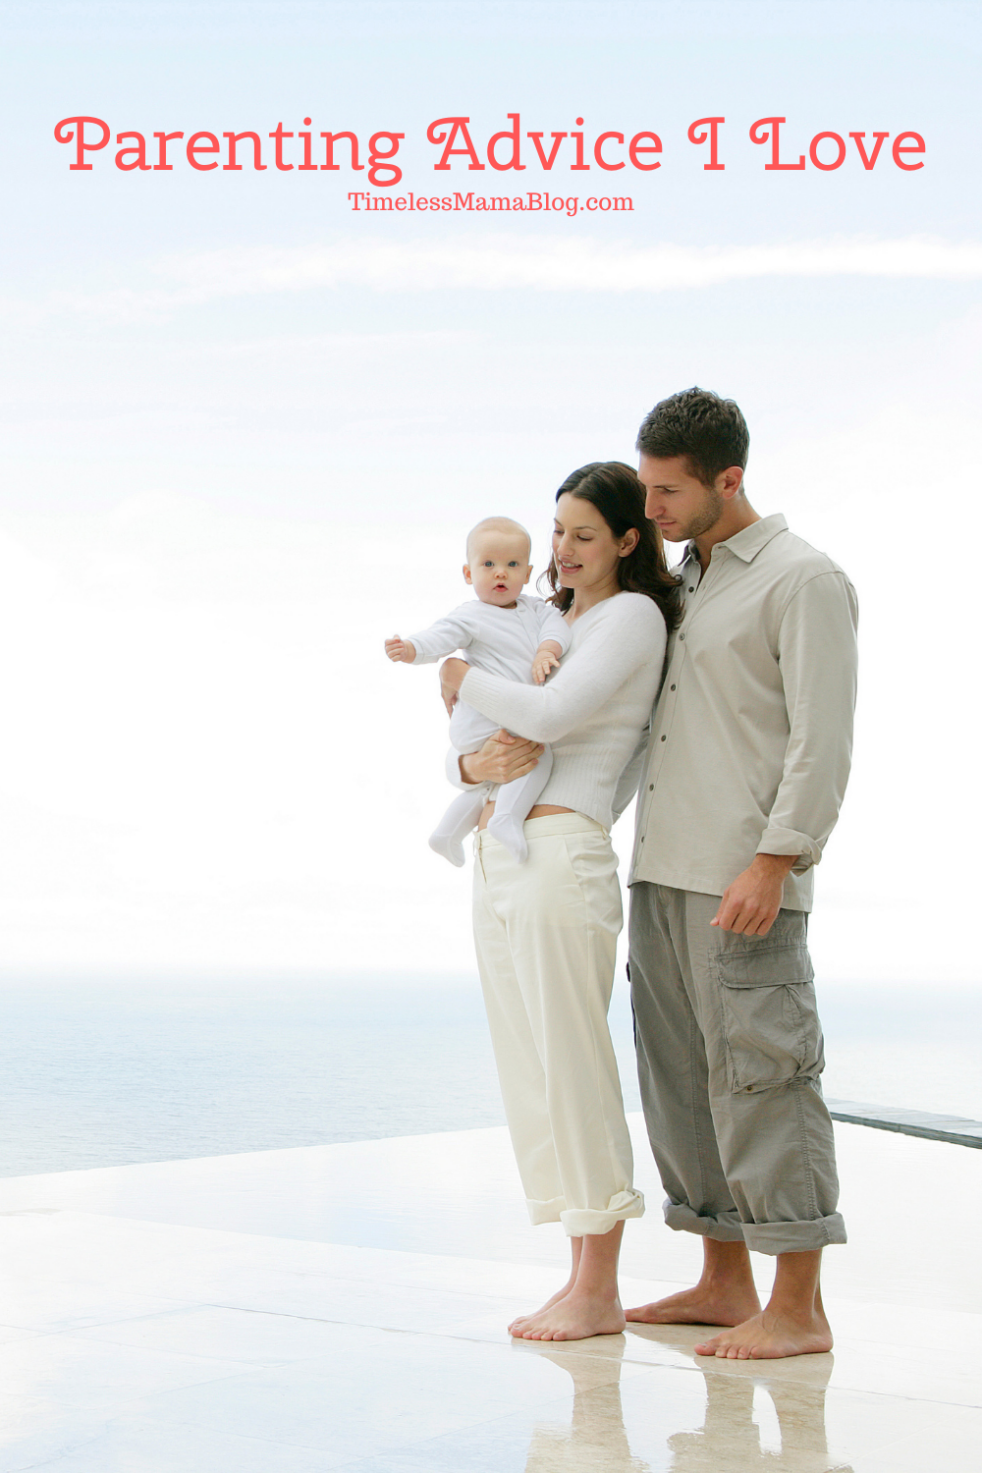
(692, 590)
(681, 636)
(651, 787)
(673, 687)
(663, 737)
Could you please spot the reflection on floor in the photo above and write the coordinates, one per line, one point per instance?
(343, 1307)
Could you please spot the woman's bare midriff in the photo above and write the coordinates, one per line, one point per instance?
(540, 810)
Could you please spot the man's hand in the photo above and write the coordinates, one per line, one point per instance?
(750, 905)
(501, 759)
(400, 650)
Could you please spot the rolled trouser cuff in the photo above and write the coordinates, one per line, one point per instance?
(582, 1222)
(540, 1212)
(724, 1228)
(795, 1237)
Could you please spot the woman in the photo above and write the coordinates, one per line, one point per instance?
(546, 930)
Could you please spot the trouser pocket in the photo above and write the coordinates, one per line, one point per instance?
(770, 1025)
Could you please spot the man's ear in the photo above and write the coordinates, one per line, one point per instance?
(467, 573)
(729, 482)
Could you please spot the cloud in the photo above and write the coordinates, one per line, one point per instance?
(511, 263)
(545, 264)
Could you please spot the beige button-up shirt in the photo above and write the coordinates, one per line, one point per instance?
(751, 735)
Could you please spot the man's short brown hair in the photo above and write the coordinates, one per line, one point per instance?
(708, 431)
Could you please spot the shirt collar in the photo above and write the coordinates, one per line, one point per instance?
(748, 543)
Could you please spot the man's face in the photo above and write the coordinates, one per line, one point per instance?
(681, 505)
(498, 567)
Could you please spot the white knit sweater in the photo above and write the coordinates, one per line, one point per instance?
(594, 710)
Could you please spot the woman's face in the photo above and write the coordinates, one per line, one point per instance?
(585, 549)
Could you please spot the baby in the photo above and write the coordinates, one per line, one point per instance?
(509, 634)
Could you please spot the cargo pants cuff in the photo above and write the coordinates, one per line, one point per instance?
(794, 1237)
(724, 1227)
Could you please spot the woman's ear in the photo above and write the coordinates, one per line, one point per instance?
(629, 542)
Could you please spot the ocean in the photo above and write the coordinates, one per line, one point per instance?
(112, 1073)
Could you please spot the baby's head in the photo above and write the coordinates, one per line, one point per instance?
(497, 566)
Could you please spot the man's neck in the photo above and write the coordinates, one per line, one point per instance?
(736, 515)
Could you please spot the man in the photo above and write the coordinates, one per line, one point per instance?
(747, 764)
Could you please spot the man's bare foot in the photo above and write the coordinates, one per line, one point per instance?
(722, 1304)
(770, 1336)
(518, 1324)
(576, 1317)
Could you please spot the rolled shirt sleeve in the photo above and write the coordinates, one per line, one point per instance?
(818, 662)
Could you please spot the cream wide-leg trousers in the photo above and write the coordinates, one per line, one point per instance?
(546, 934)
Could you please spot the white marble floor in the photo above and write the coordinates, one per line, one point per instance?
(343, 1307)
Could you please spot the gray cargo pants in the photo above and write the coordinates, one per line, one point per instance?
(729, 1056)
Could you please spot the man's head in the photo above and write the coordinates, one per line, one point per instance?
(498, 566)
(693, 453)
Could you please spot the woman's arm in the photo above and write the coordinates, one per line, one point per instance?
(627, 783)
(627, 634)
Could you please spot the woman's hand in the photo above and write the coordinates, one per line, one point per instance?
(502, 758)
(452, 674)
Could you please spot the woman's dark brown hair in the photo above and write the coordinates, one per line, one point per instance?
(614, 489)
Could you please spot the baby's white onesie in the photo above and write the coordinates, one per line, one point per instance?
(503, 642)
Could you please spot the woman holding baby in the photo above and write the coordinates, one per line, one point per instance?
(546, 929)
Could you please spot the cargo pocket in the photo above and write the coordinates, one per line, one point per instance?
(769, 1019)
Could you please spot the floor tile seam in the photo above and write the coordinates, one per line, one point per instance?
(435, 1335)
(517, 1408)
(934, 1401)
(129, 1401)
(79, 1337)
(349, 1324)
(43, 1332)
(787, 1378)
(567, 1400)
(63, 1453)
(119, 1419)
(273, 1238)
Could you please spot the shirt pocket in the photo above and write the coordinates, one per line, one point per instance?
(770, 1026)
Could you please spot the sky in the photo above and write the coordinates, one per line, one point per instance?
(246, 427)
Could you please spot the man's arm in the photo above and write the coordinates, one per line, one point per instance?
(750, 905)
(817, 653)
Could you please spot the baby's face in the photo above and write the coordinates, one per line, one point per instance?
(499, 567)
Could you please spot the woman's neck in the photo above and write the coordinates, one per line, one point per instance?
(585, 599)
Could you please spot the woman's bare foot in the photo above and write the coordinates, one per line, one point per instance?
(576, 1317)
(518, 1324)
(770, 1336)
(725, 1304)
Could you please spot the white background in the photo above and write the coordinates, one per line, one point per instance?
(246, 430)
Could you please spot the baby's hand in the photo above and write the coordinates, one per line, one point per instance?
(544, 661)
(400, 650)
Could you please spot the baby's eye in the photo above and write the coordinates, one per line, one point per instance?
(488, 563)
(513, 563)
